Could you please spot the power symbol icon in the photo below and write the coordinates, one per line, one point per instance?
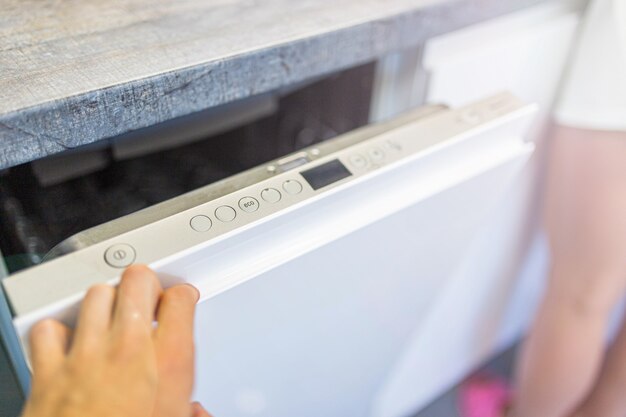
(120, 255)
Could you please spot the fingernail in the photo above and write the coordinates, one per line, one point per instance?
(140, 268)
(197, 291)
(197, 408)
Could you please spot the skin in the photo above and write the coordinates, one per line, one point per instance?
(117, 363)
(565, 369)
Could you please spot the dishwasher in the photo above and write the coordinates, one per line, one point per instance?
(317, 270)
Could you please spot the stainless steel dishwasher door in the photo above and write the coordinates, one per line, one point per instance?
(312, 294)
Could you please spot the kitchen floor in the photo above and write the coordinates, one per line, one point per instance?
(446, 405)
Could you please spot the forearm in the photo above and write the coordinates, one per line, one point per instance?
(585, 218)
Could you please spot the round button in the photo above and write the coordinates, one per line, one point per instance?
(225, 213)
(392, 146)
(470, 116)
(376, 154)
(249, 204)
(358, 161)
(292, 187)
(271, 195)
(120, 255)
(200, 223)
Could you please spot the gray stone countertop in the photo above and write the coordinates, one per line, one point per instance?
(73, 72)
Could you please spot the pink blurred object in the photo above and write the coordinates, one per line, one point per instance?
(484, 395)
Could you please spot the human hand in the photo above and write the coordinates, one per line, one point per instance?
(117, 363)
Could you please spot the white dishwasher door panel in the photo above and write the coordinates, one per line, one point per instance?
(486, 303)
(311, 306)
(318, 335)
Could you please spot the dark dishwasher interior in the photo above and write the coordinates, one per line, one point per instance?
(36, 217)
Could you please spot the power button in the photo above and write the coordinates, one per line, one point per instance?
(120, 255)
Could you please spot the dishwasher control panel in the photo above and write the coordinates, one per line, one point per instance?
(294, 182)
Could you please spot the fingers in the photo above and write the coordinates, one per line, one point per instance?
(94, 318)
(198, 411)
(117, 326)
(137, 298)
(175, 316)
(49, 341)
(174, 341)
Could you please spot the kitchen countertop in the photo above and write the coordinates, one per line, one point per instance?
(73, 72)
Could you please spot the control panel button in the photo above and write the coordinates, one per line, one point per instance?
(470, 116)
(358, 161)
(201, 223)
(393, 146)
(249, 204)
(292, 187)
(271, 195)
(376, 154)
(225, 213)
(120, 255)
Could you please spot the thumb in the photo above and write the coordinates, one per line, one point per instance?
(198, 411)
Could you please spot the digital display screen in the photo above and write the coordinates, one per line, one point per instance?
(326, 174)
